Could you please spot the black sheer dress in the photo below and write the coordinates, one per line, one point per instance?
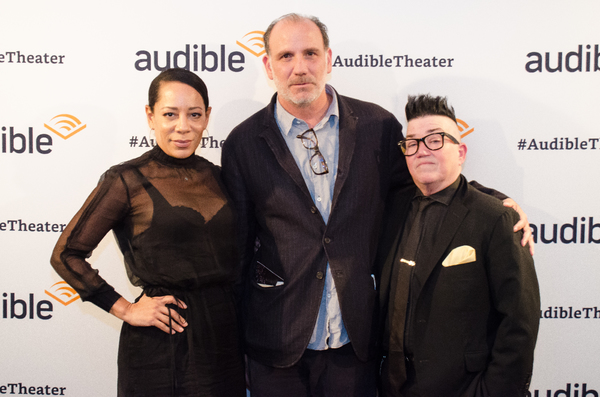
(175, 227)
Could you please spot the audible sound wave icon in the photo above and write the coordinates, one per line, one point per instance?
(255, 40)
(67, 123)
(463, 126)
(63, 293)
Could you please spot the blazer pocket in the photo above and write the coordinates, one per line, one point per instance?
(265, 277)
(460, 255)
(476, 361)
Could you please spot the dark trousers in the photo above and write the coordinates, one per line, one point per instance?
(326, 373)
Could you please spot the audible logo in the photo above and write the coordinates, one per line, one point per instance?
(203, 60)
(63, 293)
(68, 124)
(15, 142)
(255, 44)
(573, 61)
(18, 308)
(566, 392)
(64, 125)
(573, 232)
(464, 128)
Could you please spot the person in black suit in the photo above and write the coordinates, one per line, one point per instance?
(459, 297)
(309, 175)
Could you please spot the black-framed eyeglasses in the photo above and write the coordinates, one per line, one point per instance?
(433, 141)
(317, 162)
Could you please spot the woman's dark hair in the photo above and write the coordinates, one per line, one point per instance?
(182, 76)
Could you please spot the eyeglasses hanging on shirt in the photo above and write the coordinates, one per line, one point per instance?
(317, 162)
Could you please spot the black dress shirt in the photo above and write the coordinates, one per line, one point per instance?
(429, 221)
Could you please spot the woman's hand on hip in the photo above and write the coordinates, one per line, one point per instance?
(151, 312)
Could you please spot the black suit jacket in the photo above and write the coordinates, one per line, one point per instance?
(475, 324)
(282, 229)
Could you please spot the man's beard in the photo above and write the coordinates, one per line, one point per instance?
(302, 99)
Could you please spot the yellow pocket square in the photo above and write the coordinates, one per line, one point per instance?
(460, 255)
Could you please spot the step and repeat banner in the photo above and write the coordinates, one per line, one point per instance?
(524, 78)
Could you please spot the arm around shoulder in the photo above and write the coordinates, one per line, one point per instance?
(514, 291)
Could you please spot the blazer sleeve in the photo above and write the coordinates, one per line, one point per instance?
(401, 181)
(489, 191)
(246, 223)
(515, 295)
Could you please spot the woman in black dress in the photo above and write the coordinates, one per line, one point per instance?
(175, 226)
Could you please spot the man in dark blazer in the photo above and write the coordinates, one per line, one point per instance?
(459, 297)
(303, 252)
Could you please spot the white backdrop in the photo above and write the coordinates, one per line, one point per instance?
(69, 67)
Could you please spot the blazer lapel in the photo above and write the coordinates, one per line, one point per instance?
(272, 135)
(347, 142)
(428, 260)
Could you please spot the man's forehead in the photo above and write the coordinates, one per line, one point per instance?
(289, 31)
(301, 23)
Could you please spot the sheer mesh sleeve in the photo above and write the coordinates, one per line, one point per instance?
(172, 221)
(105, 208)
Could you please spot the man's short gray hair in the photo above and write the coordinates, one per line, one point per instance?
(296, 18)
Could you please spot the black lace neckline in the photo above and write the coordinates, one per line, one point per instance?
(163, 158)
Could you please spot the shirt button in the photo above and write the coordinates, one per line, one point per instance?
(327, 240)
(328, 296)
(320, 275)
(313, 209)
(319, 198)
